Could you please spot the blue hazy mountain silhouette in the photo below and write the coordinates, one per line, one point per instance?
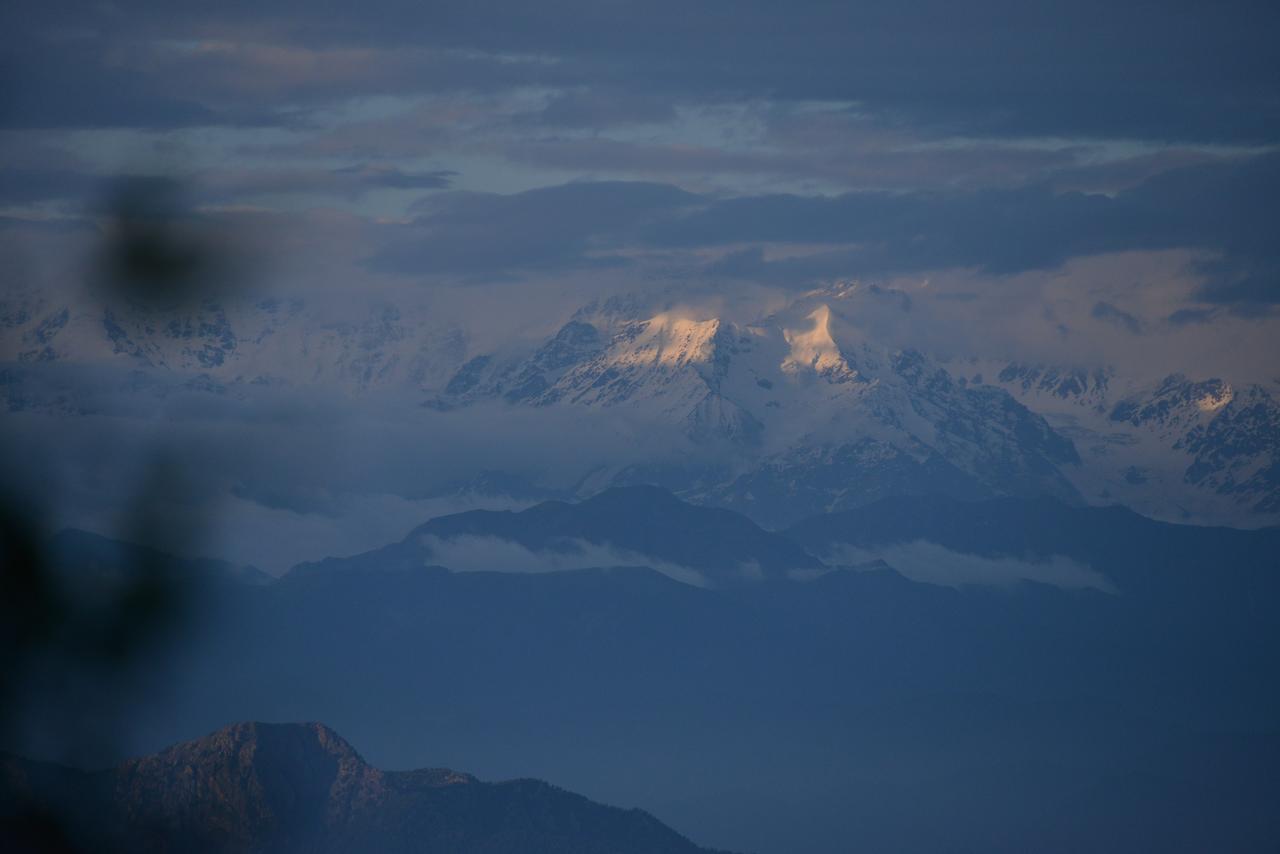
(302, 788)
(783, 715)
(641, 521)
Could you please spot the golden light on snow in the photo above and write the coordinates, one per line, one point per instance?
(672, 340)
(1213, 402)
(814, 349)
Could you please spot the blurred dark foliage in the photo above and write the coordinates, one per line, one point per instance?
(158, 251)
(72, 643)
(75, 639)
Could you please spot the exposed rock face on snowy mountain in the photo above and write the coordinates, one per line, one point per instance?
(820, 417)
(268, 341)
(800, 412)
(1088, 388)
(1179, 449)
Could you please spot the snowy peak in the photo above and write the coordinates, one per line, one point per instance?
(808, 408)
(1183, 449)
(575, 341)
(667, 340)
(1090, 387)
(354, 348)
(813, 349)
(1235, 449)
(669, 359)
(1215, 400)
(802, 403)
(1176, 402)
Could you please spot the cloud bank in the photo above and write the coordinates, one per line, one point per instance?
(931, 563)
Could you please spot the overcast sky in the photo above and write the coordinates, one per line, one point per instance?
(1112, 166)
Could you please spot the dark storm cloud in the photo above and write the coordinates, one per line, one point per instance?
(1222, 208)
(892, 76)
(1180, 70)
(1247, 283)
(24, 186)
(78, 188)
(1229, 208)
(51, 86)
(555, 227)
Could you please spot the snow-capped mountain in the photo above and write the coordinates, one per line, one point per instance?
(267, 341)
(1178, 448)
(800, 412)
(821, 418)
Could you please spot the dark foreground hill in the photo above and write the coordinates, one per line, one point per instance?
(255, 787)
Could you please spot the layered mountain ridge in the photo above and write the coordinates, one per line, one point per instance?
(1130, 715)
(273, 340)
(301, 788)
(821, 418)
(800, 412)
(640, 526)
(1178, 448)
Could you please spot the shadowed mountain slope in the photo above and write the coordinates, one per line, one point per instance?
(805, 717)
(1139, 554)
(301, 788)
(642, 525)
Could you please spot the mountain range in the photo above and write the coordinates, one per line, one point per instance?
(800, 412)
(301, 788)
(1179, 448)
(1029, 674)
(642, 526)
